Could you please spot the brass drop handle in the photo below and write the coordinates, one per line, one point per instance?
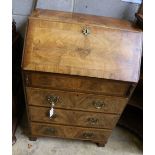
(92, 120)
(88, 135)
(98, 104)
(50, 131)
(86, 31)
(53, 116)
(52, 99)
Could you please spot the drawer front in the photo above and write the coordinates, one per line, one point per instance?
(75, 101)
(75, 118)
(76, 83)
(51, 130)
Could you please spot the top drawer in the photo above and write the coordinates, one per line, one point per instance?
(77, 83)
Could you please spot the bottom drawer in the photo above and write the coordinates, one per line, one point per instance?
(96, 135)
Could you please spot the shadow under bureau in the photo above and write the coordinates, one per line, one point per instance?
(79, 72)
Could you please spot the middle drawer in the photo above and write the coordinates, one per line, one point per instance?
(75, 118)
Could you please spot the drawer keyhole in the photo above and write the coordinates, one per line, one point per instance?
(98, 104)
(92, 120)
(86, 31)
(88, 135)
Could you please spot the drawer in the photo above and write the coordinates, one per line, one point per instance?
(75, 118)
(51, 130)
(77, 83)
(75, 101)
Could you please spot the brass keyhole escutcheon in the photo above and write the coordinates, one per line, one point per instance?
(98, 104)
(88, 135)
(86, 31)
(92, 120)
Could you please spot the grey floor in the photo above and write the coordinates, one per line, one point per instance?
(121, 142)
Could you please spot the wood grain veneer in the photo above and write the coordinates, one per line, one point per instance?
(85, 67)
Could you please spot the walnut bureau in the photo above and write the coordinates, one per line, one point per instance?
(79, 72)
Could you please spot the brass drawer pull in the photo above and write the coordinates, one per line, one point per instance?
(88, 135)
(50, 131)
(52, 99)
(92, 120)
(98, 104)
(54, 116)
(86, 31)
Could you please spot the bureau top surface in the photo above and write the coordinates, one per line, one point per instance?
(84, 45)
